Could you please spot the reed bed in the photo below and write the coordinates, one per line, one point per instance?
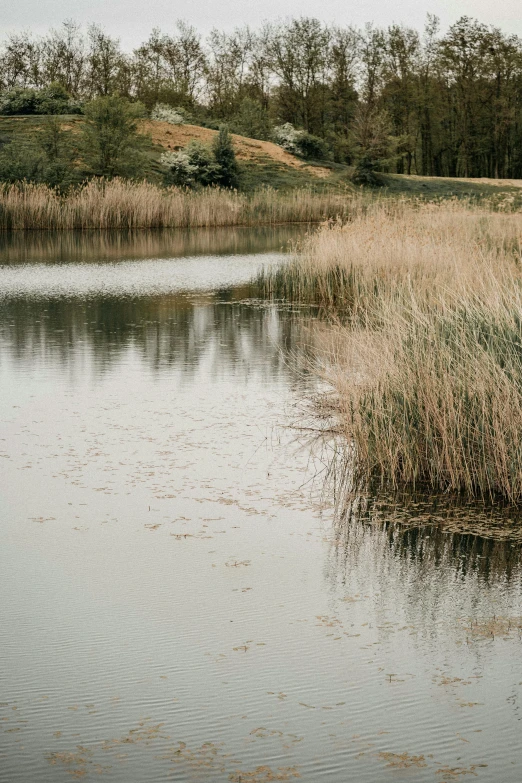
(387, 248)
(426, 358)
(121, 204)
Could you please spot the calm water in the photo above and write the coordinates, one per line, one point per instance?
(180, 602)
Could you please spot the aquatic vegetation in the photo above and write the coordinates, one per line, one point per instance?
(426, 360)
(123, 204)
(402, 760)
(264, 774)
(492, 627)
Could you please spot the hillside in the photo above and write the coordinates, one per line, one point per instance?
(263, 163)
(252, 150)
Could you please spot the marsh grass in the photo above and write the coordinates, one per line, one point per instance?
(426, 358)
(122, 204)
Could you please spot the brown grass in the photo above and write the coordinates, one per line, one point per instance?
(131, 205)
(426, 365)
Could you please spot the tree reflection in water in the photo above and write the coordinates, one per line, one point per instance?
(176, 330)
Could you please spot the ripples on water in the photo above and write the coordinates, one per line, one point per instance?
(179, 601)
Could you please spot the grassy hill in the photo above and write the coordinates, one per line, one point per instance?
(263, 163)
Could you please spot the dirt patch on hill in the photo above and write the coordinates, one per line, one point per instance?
(174, 137)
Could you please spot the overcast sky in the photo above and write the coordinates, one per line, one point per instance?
(132, 20)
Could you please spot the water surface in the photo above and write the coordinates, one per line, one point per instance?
(181, 601)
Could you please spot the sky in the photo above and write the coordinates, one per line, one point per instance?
(132, 20)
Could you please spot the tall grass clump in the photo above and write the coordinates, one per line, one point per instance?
(386, 247)
(425, 361)
(124, 204)
(434, 397)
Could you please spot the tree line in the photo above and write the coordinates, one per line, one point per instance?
(429, 103)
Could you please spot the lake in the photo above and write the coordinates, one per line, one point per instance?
(183, 600)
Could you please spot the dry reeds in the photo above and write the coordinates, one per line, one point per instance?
(121, 204)
(390, 246)
(427, 367)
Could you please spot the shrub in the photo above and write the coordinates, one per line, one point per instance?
(193, 165)
(227, 173)
(53, 99)
(287, 137)
(59, 154)
(20, 162)
(198, 164)
(18, 101)
(179, 169)
(300, 143)
(165, 113)
(49, 159)
(312, 147)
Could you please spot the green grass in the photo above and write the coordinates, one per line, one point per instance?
(443, 187)
(24, 128)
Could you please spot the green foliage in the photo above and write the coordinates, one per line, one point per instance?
(312, 147)
(191, 166)
(204, 163)
(373, 145)
(110, 144)
(19, 161)
(198, 164)
(301, 143)
(165, 113)
(53, 99)
(19, 100)
(252, 120)
(452, 100)
(58, 165)
(48, 158)
(227, 175)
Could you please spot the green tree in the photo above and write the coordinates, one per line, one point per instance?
(105, 62)
(252, 120)
(111, 144)
(227, 174)
(58, 168)
(299, 55)
(19, 162)
(401, 90)
(372, 143)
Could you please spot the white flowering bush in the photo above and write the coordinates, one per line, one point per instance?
(181, 171)
(193, 165)
(300, 142)
(288, 137)
(166, 113)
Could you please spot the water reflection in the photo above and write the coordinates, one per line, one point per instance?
(58, 247)
(420, 556)
(179, 330)
(493, 555)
